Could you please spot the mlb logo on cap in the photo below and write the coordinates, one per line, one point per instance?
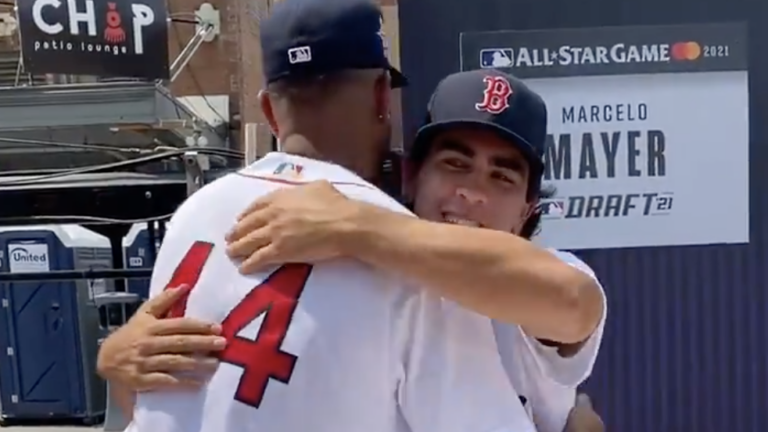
(300, 55)
(492, 58)
(312, 38)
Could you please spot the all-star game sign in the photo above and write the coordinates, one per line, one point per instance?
(648, 139)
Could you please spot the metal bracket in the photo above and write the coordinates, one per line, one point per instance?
(8, 24)
(208, 14)
(204, 29)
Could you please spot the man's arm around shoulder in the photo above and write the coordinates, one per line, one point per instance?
(566, 365)
(496, 274)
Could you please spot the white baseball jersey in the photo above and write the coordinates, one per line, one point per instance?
(334, 347)
(545, 380)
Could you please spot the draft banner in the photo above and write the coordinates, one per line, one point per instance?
(648, 139)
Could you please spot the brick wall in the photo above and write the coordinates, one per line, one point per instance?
(215, 67)
(228, 65)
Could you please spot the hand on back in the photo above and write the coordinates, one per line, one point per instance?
(304, 224)
(301, 224)
(150, 352)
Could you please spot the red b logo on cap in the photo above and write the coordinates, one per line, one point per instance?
(495, 96)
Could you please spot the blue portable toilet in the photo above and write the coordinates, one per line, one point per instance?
(138, 256)
(50, 330)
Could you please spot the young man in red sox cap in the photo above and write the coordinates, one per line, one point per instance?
(476, 163)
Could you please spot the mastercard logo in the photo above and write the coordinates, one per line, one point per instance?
(686, 51)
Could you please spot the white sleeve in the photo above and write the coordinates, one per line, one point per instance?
(452, 377)
(569, 371)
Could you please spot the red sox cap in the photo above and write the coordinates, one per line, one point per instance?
(491, 100)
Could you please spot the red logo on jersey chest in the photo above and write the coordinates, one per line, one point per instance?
(495, 96)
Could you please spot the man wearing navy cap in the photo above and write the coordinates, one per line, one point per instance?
(335, 346)
(326, 70)
(476, 163)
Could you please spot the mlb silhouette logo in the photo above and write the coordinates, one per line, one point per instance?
(290, 170)
(494, 58)
(552, 208)
(301, 54)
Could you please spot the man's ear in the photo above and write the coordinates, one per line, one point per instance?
(269, 113)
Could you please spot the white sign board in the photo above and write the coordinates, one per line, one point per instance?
(648, 141)
(28, 258)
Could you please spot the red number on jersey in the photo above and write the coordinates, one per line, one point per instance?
(188, 273)
(262, 359)
(276, 298)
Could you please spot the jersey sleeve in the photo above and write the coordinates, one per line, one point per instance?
(573, 370)
(452, 377)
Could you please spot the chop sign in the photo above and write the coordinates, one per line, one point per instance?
(143, 16)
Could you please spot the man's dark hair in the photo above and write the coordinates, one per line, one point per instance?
(305, 89)
(532, 226)
(315, 88)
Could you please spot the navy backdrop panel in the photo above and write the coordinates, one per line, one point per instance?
(685, 348)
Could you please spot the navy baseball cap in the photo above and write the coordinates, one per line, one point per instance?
(307, 38)
(492, 100)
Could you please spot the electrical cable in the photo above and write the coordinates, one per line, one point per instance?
(185, 21)
(87, 220)
(45, 174)
(236, 154)
(110, 148)
(122, 164)
(76, 146)
(115, 152)
(90, 169)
